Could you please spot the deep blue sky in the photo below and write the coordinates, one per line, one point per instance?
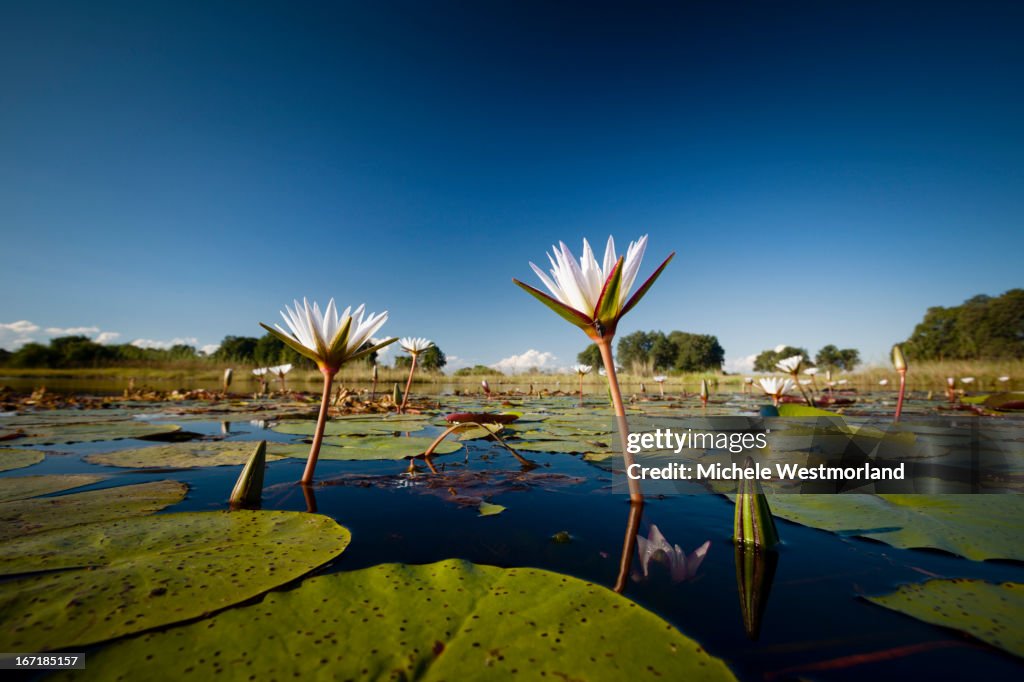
(825, 171)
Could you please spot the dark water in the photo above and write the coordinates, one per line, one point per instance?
(814, 624)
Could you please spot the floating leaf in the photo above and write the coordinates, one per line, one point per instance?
(563, 446)
(1006, 402)
(978, 527)
(180, 455)
(14, 458)
(22, 517)
(488, 509)
(356, 427)
(127, 576)
(24, 487)
(49, 434)
(798, 410)
(452, 620)
(987, 611)
(368, 448)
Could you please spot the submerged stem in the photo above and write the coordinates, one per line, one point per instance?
(321, 423)
(604, 345)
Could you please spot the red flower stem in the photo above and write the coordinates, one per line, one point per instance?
(604, 345)
(321, 423)
(903, 388)
(408, 385)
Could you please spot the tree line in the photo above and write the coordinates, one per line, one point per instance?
(655, 351)
(981, 328)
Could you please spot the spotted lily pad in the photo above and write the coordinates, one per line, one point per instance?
(369, 447)
(130, 575)
(13, 458)
(362, 426)
(978, 527)
(50, 434)
(24, 487)
(451, 620)
(180, 455)
(22, 517)
(987, 611)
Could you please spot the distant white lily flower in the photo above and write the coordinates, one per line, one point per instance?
(790, 364)
(775, 387)
(660, 378)
(260, 371)
(950, 381)
(681, 567)
(968, 380)
(811, 371)
(748, 380)
(281, 370)
(582, 369)
(805, 382)
(883, 382)
(843, 382)
(327, 338)
(414, 345)
(602, 371)
(1004, 379)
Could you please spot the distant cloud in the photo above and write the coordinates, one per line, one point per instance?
(209, 349)
(21, 327)
(740, 365)
(107, 337)
(514, 364)
(164, 345)
(71, 331)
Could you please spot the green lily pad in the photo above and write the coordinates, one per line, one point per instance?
(987, 611)
(368, 447)
(563, 446)
(452, 620)
(180, 455)
(978, 527)
(24, 487)
(13, 458)
(131, 575)
(22, 517)
(798, 410)
(355, 427)
(50, 434)
(488, 509)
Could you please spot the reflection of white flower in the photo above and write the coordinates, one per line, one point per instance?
(811, 371)
(681, 567)
(582, 369)
(968, 380)
(660, 378)
(883, 382)
(776, 387)
(790, 364)
(414, 345)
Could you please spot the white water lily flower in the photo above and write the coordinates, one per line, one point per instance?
(260, 371)
(805, 382)
(681, 567)
(592, 296)
(660, 378)
(949, 381)
(281, 370)
(790, 364)
(842, 382)
(748, 380)
(883, 382)
(968, 380)
(811, 371)
(1004, 379)
(582, 369)
(327, 338)
(414, 345)
(776, 387)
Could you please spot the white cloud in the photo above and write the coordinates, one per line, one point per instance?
(21, 327)
(210, 348)
(779, 348)
(164, 345)
(107, 337)
(740, 365)
(514, 364)
(71, 331)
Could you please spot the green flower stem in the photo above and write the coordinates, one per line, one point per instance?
(321, 423)
(604, 345)
(408, 385)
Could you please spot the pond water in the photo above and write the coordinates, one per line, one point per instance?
(814, 623)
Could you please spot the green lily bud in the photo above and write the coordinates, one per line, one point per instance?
(249, 488)
(899, 361)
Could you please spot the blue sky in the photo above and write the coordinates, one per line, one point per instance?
(824, 171)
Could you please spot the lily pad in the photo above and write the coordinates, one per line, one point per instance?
(24, 487)
(488, 509)
(50, 434)
(13, 458)
(22, 517)
(978, 527)
(131, 575)
(369, 448)
(563, 446)
(180, 455)
(987, 611)
(355, 427)
(452, 620)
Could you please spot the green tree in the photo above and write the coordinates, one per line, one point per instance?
(477, 371)
(237, 349)
(832, 357)
(645, 352)
(591, 355)
(981, 328)
(765, 361)
(696, 352)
